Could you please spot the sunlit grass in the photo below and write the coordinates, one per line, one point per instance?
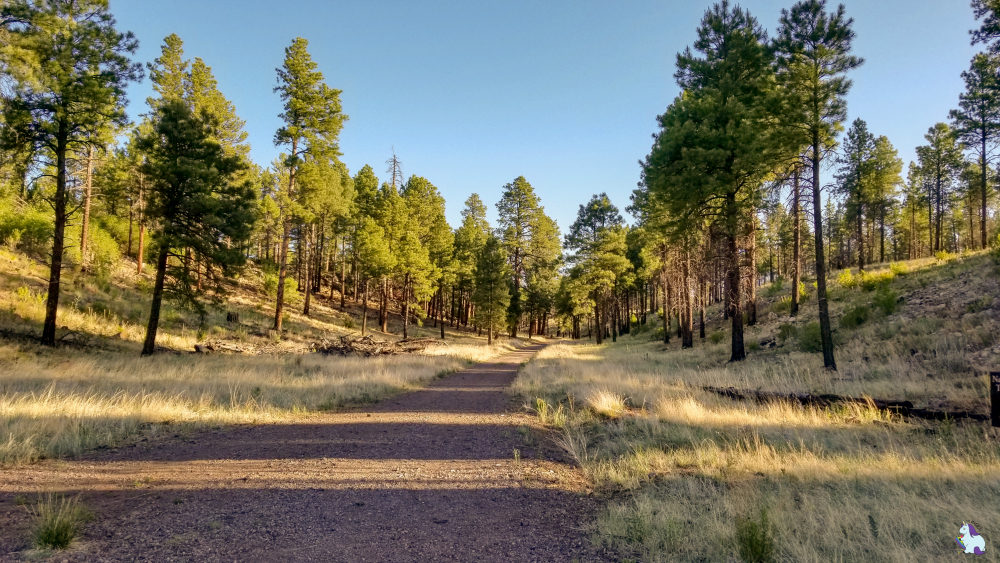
(691, 471)
(64, 402)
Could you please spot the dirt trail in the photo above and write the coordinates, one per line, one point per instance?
(426, 476)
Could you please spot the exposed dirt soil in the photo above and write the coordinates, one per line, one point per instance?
(427, 476)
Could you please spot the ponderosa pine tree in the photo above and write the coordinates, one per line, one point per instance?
(977, 121)
(941, 161)
(492, 293)
(717, 141)
(517, 210)
(470, 239)
(75, 68)
(194, 202)
(813, 54)
(312, 119)
(854, 178)
(586, 238)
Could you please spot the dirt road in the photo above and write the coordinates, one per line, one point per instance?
(428, 476)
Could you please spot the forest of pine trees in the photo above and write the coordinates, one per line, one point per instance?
(754, 176)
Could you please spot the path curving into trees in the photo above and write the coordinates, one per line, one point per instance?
(429, 475)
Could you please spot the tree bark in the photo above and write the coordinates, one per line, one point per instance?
(279, 307)
(85, 225)
(796, 243)
(826, 334)
(58, 240)
(149, 345)
(364, 311)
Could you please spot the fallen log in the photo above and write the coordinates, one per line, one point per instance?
(904, 408)
(369, 346)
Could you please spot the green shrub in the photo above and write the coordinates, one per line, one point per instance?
(57, 521)
(855, 317)
(717, 337)
(887, 300)
(944, 256)
(898, 269)
(101, 246)
(754, 538)
(786, 331)
(874, 280)
(846, 279)
(809, 338)
(271, 286)
(25, 227)
(803, 294)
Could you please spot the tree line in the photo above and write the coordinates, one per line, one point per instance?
(734, 174)
(732, 192)
(177, 189)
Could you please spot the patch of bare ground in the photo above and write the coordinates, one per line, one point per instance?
(448, 473)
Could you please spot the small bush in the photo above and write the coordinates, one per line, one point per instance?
(855, 317)
(754, 538)
(944, 256)
(810, 339)
(898, 269)
(870, 281)
(846, 279)
(717, 337)
(803, 294)
(57, 521)
(787, 331)
(887, 300)
(349, 323)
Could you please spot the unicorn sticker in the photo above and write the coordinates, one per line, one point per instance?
(970, 541)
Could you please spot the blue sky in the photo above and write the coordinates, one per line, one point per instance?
(473, 94)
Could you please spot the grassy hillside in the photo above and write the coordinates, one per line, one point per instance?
(695, 476)
(95, 391)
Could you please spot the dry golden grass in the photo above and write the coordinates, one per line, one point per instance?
(66, 401)
(845, 483)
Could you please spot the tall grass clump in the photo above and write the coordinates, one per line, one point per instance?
(754, 538)
(886, 300)
(58, 520)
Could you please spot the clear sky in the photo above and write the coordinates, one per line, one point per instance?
(473, 94)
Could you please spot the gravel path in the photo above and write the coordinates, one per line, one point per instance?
(427, 476)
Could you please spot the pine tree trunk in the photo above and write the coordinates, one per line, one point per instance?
(826, 334)
(735, 305)
(666, 313)
(58, 240)
(406, 304)
(343, 272)
(982, 183)
(752, 277)
(306, 245)
(796, 244)
(142, 226)
(85, 226)
(383, 312)
(149, 346)
(687, 336)
(364, 311)
(279, 307)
